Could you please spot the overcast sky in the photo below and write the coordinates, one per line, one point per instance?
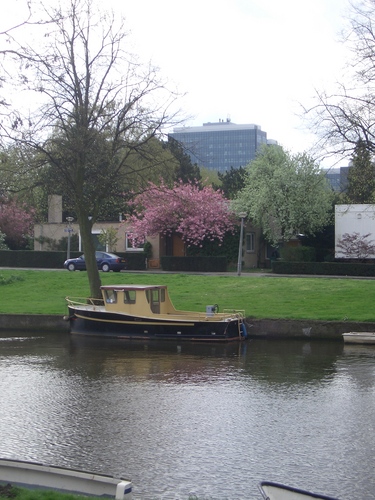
(253, 61)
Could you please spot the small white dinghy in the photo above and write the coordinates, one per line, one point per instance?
(359, 337)
(40, 476)
(277, 491)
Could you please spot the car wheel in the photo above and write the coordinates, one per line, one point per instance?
(71, 267)
(105, 268)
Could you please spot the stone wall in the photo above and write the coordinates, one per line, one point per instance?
(256, 328)
(33, 322)
(308, 329)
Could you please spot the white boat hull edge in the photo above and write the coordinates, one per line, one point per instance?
(277, 491)
(40, 476)
(359, 337)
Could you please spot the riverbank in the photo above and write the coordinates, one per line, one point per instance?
(256, 328)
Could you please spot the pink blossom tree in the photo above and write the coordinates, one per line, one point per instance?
(195, 213)
(16, 222)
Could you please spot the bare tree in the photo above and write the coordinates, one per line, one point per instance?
(343, 118)
(7, 36)
(356, 246)
(100, 109)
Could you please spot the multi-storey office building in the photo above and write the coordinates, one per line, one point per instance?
(338, 178)
(221, 145)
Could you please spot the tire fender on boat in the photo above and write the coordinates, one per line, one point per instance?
(243, 330)
(68, 318)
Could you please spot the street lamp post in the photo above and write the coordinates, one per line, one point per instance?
(69, 230)
(242, 215)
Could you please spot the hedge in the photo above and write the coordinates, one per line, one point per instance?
(194, 264)
(324, 268)
(137, 261)
(55, 260)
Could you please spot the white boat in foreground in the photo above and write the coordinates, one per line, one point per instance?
(40, 476)
(359, 337)
(277, 491)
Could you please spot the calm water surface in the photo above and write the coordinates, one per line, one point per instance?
(183, 419)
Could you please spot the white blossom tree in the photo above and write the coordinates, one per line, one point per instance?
(284, 194)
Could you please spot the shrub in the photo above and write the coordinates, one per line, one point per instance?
(298, 254)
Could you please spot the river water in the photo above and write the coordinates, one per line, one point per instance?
(182, 419)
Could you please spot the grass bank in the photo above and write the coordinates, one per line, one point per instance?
(44, 292)
(9, 492)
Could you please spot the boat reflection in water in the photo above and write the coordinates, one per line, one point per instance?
(164, 360)
(201, 349)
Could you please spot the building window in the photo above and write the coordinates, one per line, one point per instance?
(129, 245)
(250, 242)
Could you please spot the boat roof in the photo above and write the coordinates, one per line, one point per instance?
(131, 287)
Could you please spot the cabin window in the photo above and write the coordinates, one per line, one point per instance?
(153, 298)
(162, 295)
(155, 303)
(129, 296)
(111, 296)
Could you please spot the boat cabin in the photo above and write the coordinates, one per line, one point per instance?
(138, 300)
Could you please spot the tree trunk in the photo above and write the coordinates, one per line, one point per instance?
(85, 226)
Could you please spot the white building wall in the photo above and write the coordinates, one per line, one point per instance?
(354, 219)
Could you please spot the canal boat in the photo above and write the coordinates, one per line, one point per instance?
(47, 477)
(277, 491)
(146, 312)
(359, 337)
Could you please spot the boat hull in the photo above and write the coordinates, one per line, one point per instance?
(115, 325)
(359, 337)
(277, 491)
(40, 476)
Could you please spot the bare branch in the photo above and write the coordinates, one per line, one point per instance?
(347, 116)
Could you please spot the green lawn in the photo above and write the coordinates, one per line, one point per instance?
(15, 493)
(44, 292)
